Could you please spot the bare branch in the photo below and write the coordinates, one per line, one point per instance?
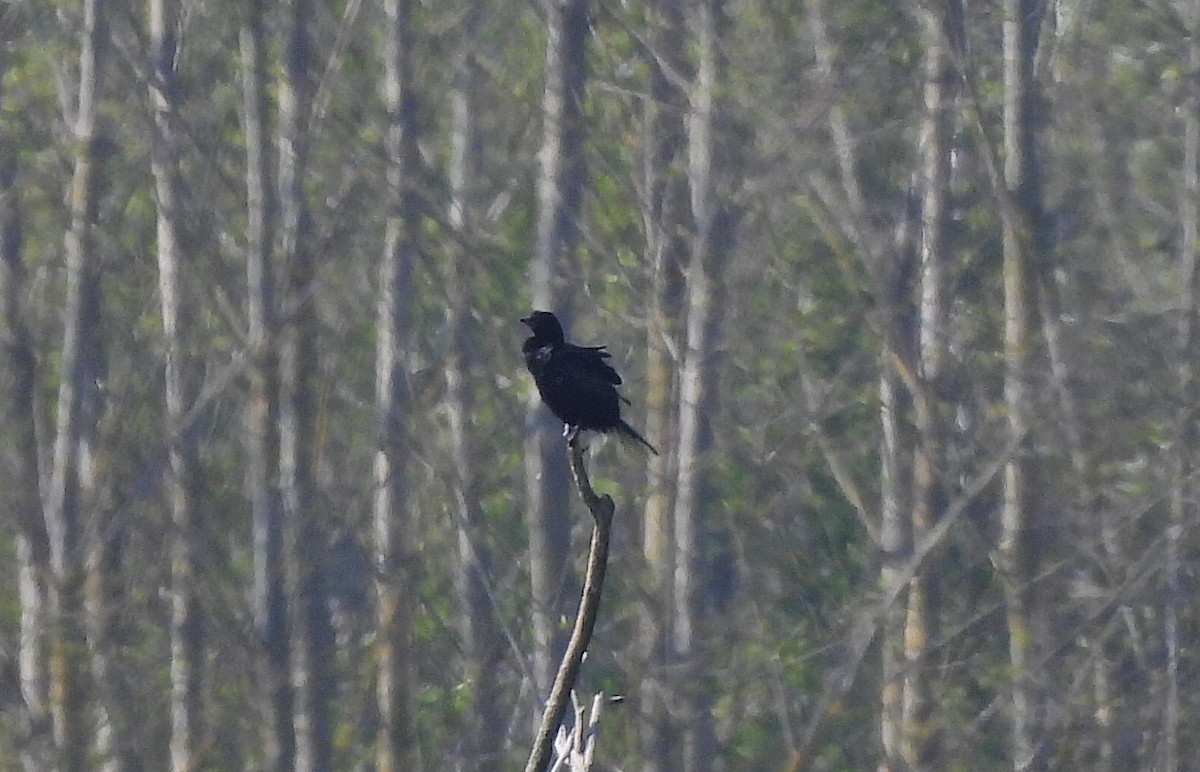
(842, 679)
(602, 509)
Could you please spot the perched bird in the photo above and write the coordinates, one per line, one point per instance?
(575, 382)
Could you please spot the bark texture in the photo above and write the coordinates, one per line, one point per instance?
(559, 188)
(397, 747)
(187, 727)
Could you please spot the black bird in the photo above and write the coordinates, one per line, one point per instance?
(575, 382)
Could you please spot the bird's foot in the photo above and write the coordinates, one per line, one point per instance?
(573, 435)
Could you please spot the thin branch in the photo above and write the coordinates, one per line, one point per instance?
(867, 626)
(602, 509)
(838, 465)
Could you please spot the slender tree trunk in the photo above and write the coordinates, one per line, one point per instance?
(108, 621)
(270, 599)
(305, 540)
(18, 435)
(106, 615)
(921, 746)
(895, 527)
(666, 248)
(894, 538)
(713, 223)
(484, 733)
(1022, 218)
(394, 530)
(1182, 488)
(559, 188)
(894, 283)
(77, 387)
(108, 624)
(186, 627)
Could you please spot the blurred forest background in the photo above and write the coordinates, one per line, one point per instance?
(905, 292)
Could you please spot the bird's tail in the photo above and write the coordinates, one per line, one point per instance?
(629, 432)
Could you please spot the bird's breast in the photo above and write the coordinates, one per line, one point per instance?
(536, 358)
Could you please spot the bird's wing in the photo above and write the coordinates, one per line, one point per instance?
(588, 362)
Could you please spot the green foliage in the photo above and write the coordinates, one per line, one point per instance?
(786, 563)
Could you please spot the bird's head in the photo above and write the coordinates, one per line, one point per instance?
(545, 326)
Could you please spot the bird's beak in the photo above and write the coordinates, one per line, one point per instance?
(525, 319)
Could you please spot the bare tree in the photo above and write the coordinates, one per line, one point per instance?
(895, 522)
(1022, 217)
(665, 214)
(19, 431)
(894, 274)
(187, 656)
(601, 509)
(559, 189)
(78, 404)
(1182, 486)
(940, 27)
(305, 538)
(262, 426)
(109, 621)
(713, 223)
(77, 401)
(394, 530)
(484, 736)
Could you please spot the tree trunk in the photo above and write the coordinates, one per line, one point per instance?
(262, 425)
(1182, 487)
(187, 653)
(109, 625)
(106, 612)
(76, 401)
(18, 435)
(920, 744)
(559, 188)
(483, 735)
(394, 530)
(709, 170)
(305, 539)
(895, 524)
(666, 248)
(1022, 224)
